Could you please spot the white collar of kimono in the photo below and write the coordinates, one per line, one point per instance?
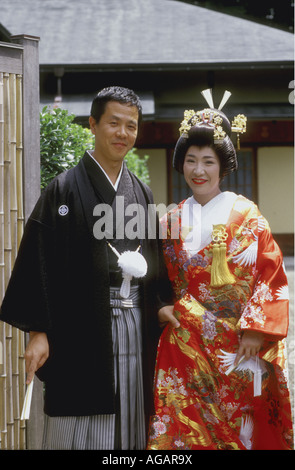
(198, 220)
(116, 184)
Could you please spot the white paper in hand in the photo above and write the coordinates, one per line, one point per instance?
(27, 402)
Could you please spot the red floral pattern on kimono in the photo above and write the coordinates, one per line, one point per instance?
(198, 405)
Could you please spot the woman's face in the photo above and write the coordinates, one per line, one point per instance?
(201, 169)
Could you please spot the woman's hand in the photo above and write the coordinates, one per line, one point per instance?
(250, 345)
(36, 354)
(166, 315)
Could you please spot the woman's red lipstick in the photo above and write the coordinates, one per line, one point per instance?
(199, 181)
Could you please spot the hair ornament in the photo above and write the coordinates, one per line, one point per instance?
(211, 117)
(208, 117)
(208, 97)
(207, 94)
(226, 96)
(239, 125)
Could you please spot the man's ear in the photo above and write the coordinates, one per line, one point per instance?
(92, 123)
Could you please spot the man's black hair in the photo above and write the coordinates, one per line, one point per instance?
(114, 93)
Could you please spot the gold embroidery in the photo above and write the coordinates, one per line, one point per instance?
(200, 362)
(200, 436)
(276, 352)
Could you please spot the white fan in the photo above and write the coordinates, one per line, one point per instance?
(255, 365)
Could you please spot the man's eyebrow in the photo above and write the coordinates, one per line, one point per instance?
(118, 118)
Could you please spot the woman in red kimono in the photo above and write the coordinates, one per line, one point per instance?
(221, 373)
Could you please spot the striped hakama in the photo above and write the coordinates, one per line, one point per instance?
(126, 429)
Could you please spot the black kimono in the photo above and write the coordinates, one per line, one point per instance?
(60, 285)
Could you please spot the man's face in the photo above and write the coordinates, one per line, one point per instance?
(115, 133)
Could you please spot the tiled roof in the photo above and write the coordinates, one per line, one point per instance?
(141, 32)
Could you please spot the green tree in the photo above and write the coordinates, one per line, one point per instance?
(138, 165)
(63, 143)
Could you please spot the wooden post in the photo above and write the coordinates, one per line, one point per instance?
(15, 415)
(11, 339)
(19, 158)
(2, 284)
(31, 187)
(3, 433)
(20, 227)
(13, 178)
(3, 414)
(3, 420)
(31, 124)
(7, 257)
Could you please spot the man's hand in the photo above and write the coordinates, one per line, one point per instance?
(250, 345)
(36, 354)
(165, 315)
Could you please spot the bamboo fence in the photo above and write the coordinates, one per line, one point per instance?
(12, 340)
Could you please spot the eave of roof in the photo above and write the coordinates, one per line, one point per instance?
(143, 33)
(176, 66)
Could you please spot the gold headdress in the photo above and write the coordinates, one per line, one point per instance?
(239, 125)
(212, 117)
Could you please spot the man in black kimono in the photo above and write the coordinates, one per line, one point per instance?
(94, 350)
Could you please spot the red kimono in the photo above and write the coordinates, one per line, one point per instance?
(201, 402)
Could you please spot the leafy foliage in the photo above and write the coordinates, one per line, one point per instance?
(138, 165)
(63, 143)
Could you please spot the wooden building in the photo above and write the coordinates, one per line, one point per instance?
(168, 51)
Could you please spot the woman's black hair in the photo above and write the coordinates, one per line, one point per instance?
(201, 135)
